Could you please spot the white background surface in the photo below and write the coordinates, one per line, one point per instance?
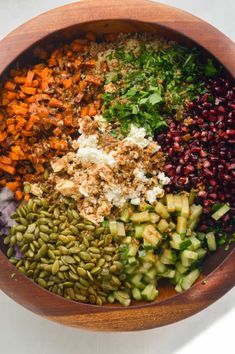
(211, 331)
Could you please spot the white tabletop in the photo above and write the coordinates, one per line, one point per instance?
(212, 330)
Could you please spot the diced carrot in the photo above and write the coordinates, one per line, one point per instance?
(28, 90)
(27, 197)
(3, 136)
(68, 121)
(82, 85)
(54, 102)
(19, 80)
(90, 62)
(84, 111)
(6, 160)
(13, 186)
(19, 195)
(92, 79)
(26, 133)
(92, 110)
(7, 168)
(9, 85)
(67, 83)
(19, 110)
(11, 95)
(29, 78)
(57, 131)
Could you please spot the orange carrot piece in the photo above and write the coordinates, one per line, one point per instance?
(18, 194)
(28, 90)
(67, 83)
(9, 85)
(19, 80)
(84, 111)
(29, 78)
(90, 62)
(13, 186)
(92, 110)
(54, 102)
(6, 160)
(3, 136)
(7, 168)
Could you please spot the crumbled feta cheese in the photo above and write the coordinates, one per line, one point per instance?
(87, 141)
(163, 179)
(91, 154)
(152, 194)
(36, 190)
(137, 136)
(135, 201)
(115, 196)
(140, 175)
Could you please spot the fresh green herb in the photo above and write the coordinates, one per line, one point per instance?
(153, 84)
(210, 69)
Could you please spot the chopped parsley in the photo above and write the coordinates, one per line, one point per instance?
(152, 84)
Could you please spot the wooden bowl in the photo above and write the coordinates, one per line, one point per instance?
(66, 23)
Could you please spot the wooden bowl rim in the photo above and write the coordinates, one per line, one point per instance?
(206, 293)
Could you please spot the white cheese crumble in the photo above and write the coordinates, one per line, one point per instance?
(163, 179)
(115, 196)
(87, 141)
(152, 194)
(94, 155)
(137, 136)
(140, 175)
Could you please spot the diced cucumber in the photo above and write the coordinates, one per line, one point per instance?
(201, 236)
(181, 226)
(113, 227)
(221, 212)
(170, 203)
(185, 205)
(195, 243)
(149, 293)
(188, 257)
(178, 202)
(130, 269)
(168, 257)
(171, 226)
(162, 210)
(133, 248)
(170, 273)
(162, 225)
(149, 257)
(201, 253)
(143, 206)
(211, 242)
(175, 241)
(154, 218)
(189, 279)
(195, 212)
(145, 267)
(160, 267)
(180, 268)
(136, 293)
(151, 236)
(177, 278)
(151, 273)
(186, 243)
(137, 281)
(121, 228)
(105, 223)
(140, 217)
(127, 239)
(139, 230)
(132, 260)
(191, 197)
(125, 215)
(178, 288)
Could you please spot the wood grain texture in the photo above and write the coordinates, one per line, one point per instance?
(65, 23)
